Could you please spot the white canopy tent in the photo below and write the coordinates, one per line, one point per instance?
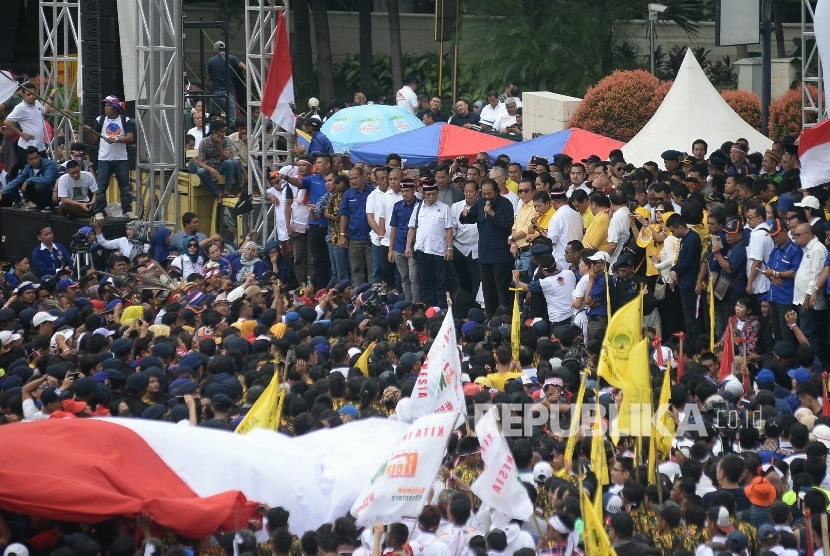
(693, 109)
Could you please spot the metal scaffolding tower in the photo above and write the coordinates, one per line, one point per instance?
(811, 70)
(266, 148)
(60, 47)
(159, 109)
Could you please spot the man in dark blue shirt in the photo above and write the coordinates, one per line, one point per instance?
(354, 226)
(494, 216)
(398, 229)
(684, 272)
(222, 85)
(781, 268)
(319, 144)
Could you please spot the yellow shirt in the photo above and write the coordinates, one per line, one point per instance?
(544, 220)
(587, 218)
(596, 236)
(498, 380)
(512, 185)
(522, 222)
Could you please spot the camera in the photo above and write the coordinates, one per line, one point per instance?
(373, 306)
(79, 243)
(462, 160)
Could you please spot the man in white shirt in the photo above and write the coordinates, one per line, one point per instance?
(407, 96)
(492, 112)
(465, 272)
(499, 175)
(392, 196)
(809, 300)
(48, 398)
(758, 250)
(577, 177)
(430, 241)
(74, 188)
(26, 121)
(719, 526)
(565, 225)
(296, 218)
(374, 211)
(508, 118)
(619, 229)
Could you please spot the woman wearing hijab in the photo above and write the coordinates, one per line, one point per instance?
(130, 246)
(245, 262)
(160, 248)
(191, 260)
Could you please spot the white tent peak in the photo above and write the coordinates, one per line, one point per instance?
(693, 109)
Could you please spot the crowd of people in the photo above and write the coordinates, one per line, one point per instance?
(725, 248)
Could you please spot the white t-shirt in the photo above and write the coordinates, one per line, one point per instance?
(388, 204)
(505, 121)
(77, 190)
(374, 206)
(407, 98)
(514, 200)
(198, 133)
(279, 213)
(558, 291)
(299, 208)
(465, 236)
(618, 231)
(490, 115)
(431, 223)
(759, 249)
(30, 120)
(113, 128)
(565, 225)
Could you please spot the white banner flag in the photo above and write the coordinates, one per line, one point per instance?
(499, 485)
(403, 480)
(438, 387)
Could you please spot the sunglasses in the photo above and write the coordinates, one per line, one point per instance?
(524, 190)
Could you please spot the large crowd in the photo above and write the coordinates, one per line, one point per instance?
(725, 248)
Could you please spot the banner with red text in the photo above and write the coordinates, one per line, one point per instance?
(499, 485)
(438, 387)
(400, 484)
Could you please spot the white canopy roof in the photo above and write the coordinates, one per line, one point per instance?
(693, 109)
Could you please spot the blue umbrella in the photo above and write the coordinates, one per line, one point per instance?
(359, 125)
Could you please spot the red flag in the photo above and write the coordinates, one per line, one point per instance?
(278, 93)
(814, 153)
(658, 346)
(727, 356)
(825, 410)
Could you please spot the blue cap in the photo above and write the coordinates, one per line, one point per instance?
(66, 283)
(322, 349)
(468, 328)
(801, 375)
(476, 315)
(292, 316)
(732, 226)
(349, 410)
(163, 350)
(342, 285)
(402, 304)
(785, 203)
(113, 304)
(765, 376)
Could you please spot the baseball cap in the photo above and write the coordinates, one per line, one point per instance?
(822, 434)
(736, 541)
(732, 226)
(42, 317)
(801, 375)
(542, 471)
(767, 532)
(720, 516)
(66, 283)
(592, 159)
(16, 549)
(809, 202)
(313, 102)
(349, 410)
(776, 226)
(671, 155)
(600, 256)
(219, 45)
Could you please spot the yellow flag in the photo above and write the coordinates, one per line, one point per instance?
(516, 328)
(636, 392)
(362, 362)
(266, 411)
(576, 418)
(593, 532)
(599, 462)
(624, 331)
(663, 438)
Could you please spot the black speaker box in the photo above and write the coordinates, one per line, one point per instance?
(103, 81)
(100, 55)
(99, 29)
(102, 8)
(92, 105)
(18, 230)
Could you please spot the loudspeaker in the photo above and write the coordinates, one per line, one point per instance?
(93, 107)
(104, 81)
(99, 29)
(18, 230)
(101, 55)
(103, 8)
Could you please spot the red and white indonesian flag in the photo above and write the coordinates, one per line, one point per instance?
(192, 480)
(8, 86)
(438, 387)
(499, 485)
(278, 93)
(400, 483)
(814, 152)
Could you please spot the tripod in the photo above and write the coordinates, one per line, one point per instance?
(82, 258)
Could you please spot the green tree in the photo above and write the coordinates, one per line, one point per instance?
(561, 45)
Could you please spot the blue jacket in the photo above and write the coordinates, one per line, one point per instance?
(49, 262)
(493, 231)
(688, 261)
(320, 144)
(353, 206)
(47, 175)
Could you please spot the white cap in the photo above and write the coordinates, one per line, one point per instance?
(313, 102)
(16, 549)
(822, 434)
(732, 385)
(354, 351)
(7, 337)
(542, 471)
(683, 445)
(809, 202)
(600, 256)
(42, 317)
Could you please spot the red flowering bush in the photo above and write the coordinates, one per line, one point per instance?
(785, 113)
(746, 104)
(620, 105)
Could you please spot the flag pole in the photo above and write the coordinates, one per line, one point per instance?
(711, 314)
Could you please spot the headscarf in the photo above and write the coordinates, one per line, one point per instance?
(160, 248)
(186, 253)
(279, 330)
(247, 264)
(139, 236)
